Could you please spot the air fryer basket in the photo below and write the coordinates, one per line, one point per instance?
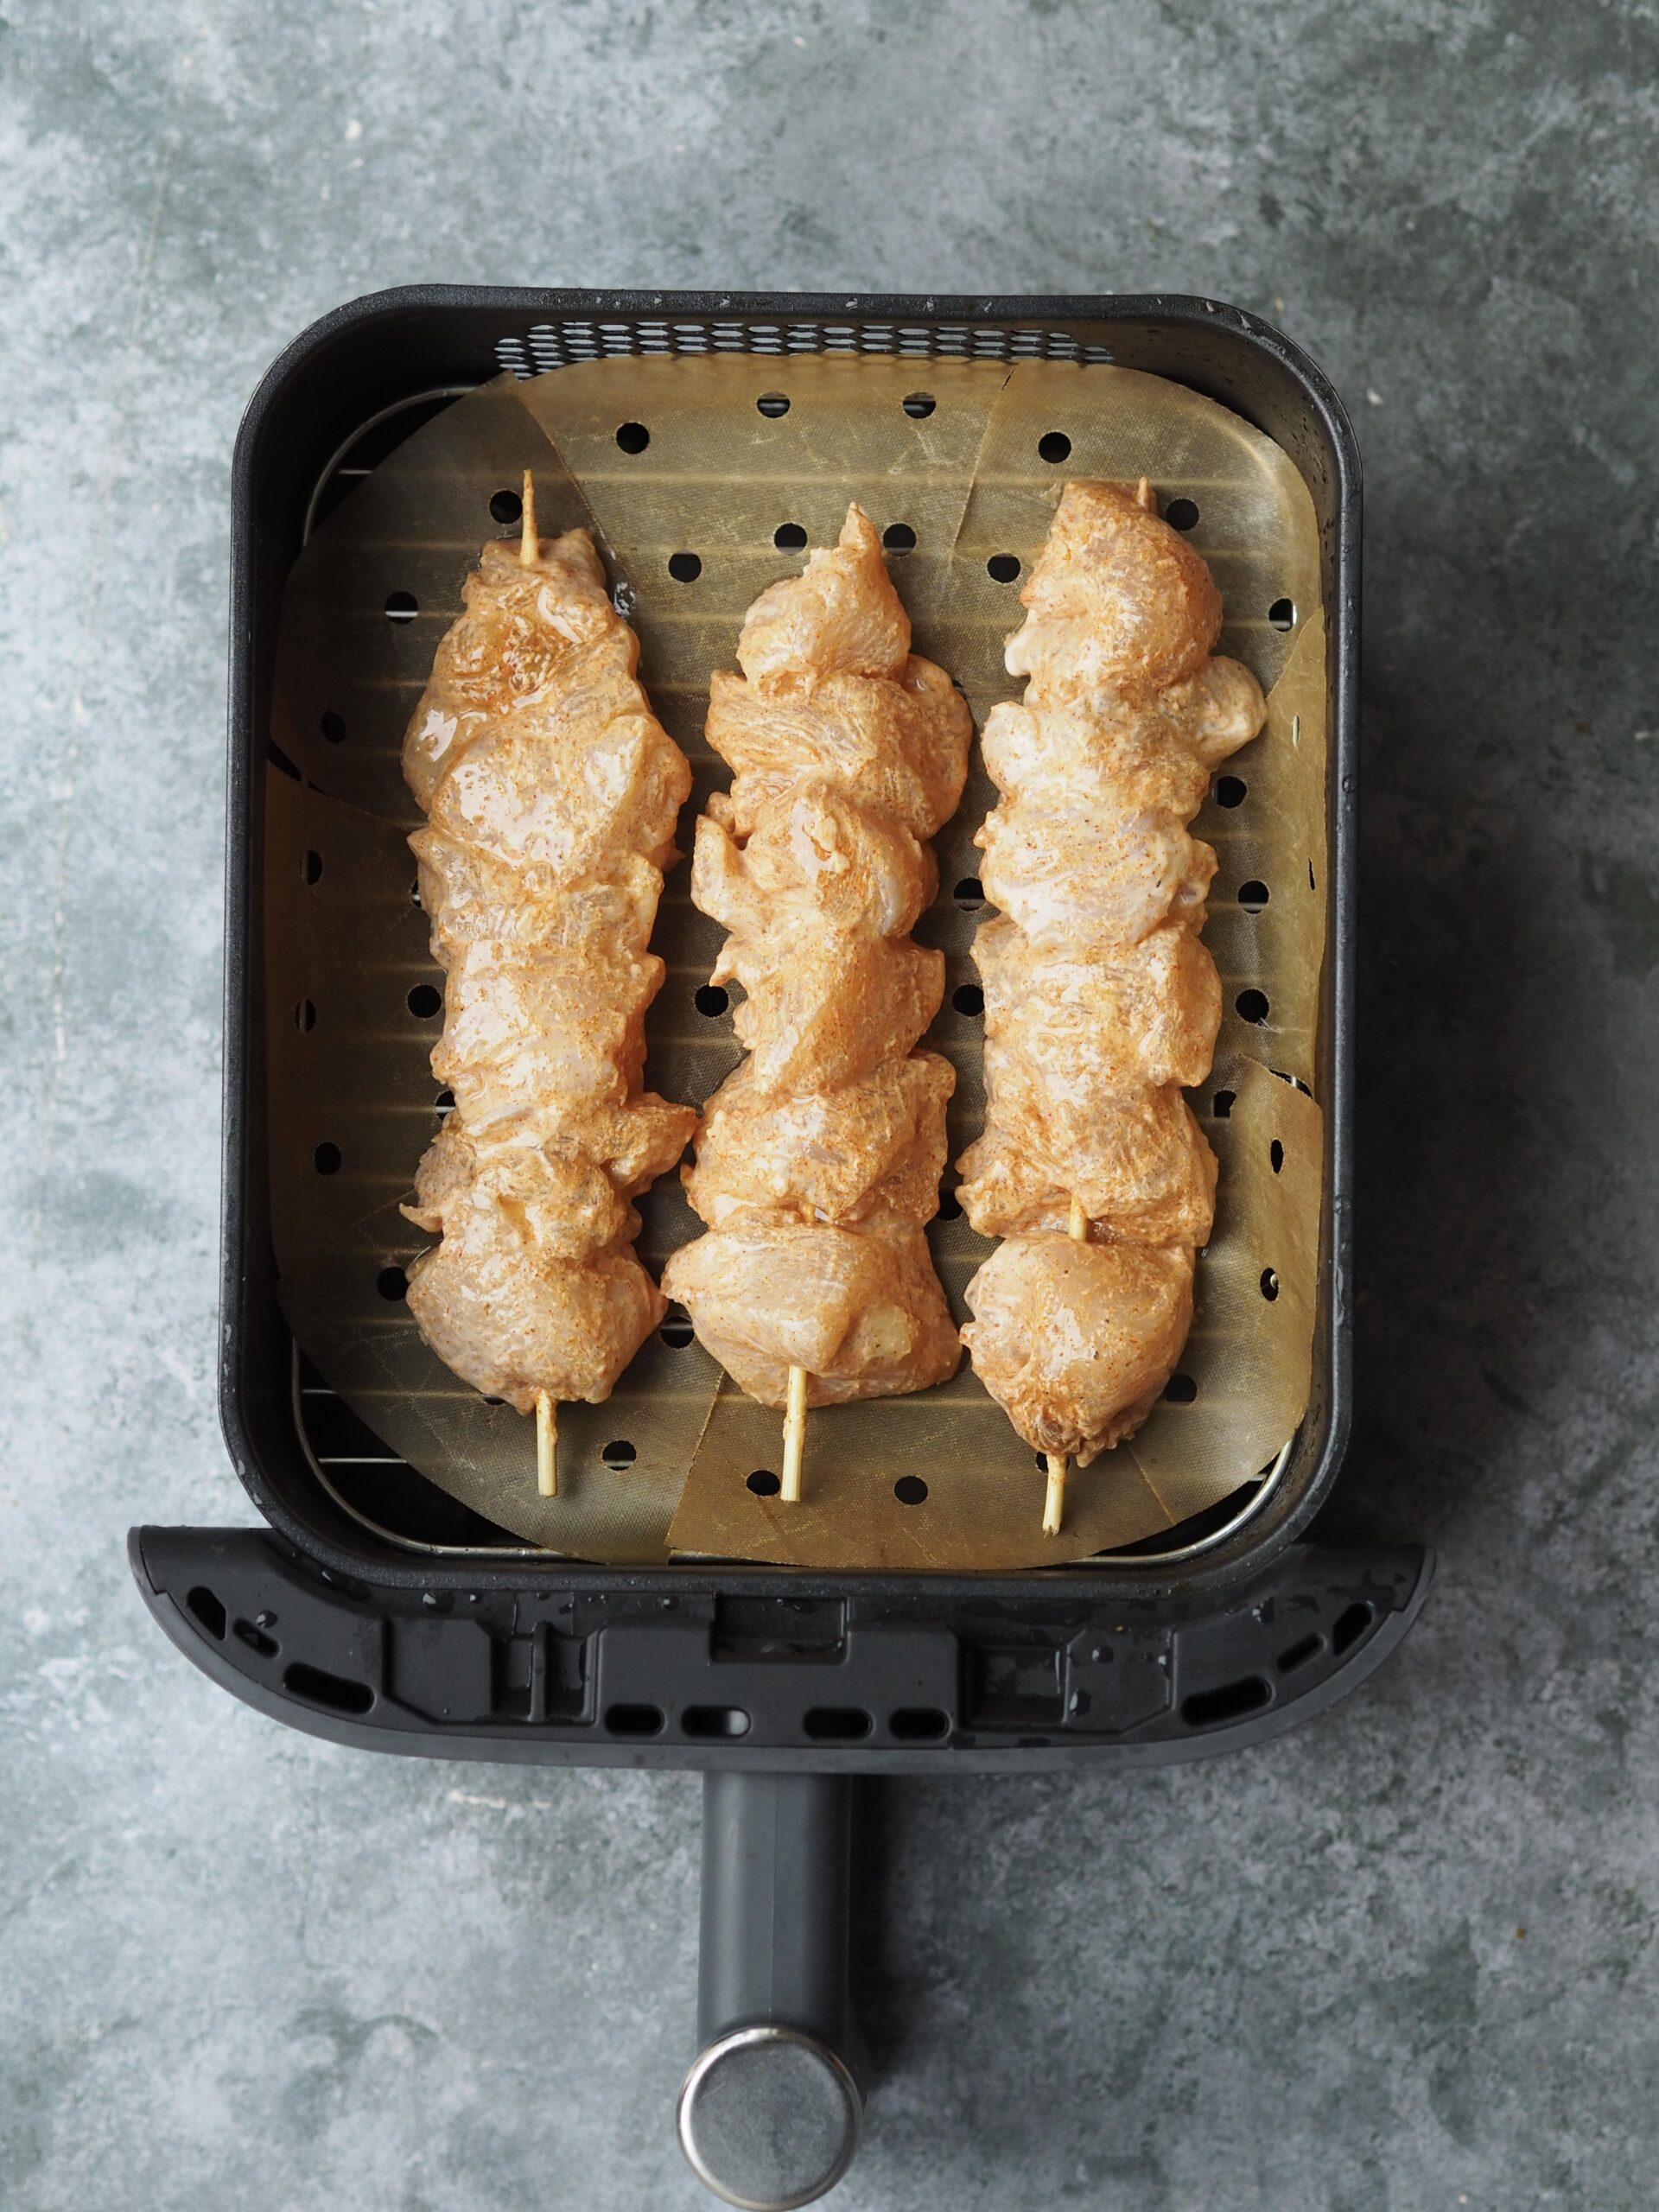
(774, 1678)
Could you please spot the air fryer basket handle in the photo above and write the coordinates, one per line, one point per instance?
(771, 2112)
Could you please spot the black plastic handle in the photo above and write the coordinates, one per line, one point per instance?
(771, 2110)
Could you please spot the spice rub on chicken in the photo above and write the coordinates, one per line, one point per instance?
(818, 1165)
(1100, 1004)
(550, 791)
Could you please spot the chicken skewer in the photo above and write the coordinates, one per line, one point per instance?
(547, 1410)
(1100, 1004)
(551, 792)
(819, 1160)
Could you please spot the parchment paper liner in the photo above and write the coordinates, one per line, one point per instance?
(346, 940)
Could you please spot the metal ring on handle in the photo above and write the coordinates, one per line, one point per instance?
(734, 2187)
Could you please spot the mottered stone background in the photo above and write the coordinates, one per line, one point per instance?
(1403, 1959)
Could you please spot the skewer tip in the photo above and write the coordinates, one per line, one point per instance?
(530, 545)
(1054, 1497)
(547, 1446)
(794, 1436)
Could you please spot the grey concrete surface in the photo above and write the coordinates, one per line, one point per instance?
(1403, 1960)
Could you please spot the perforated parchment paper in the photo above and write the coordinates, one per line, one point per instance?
(354, 1103)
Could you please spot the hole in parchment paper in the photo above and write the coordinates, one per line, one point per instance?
(1181, 514)
(333, 727)
(676, 1331)
(1253, 896)
(393, 1284)
(633, 438)
(619, 1455)
(402, 606)
(1003, 568)
(1222, 1105)
(763, 1483)
(898, 537)
(910, 1489)
(311, 868)
(1282, 614)
(919, 405)
(1180, 1389)
(969, 893)
(505, 505)
(1276, 1155)
(1252, 1006)
(444, 1104)
(949, 1206)
(711, 998)
(1054, 445)
(1231, 789)
(967, 998)
(684, 567)
(326, 1160)
(425, 1001)
(789, 537)
(773, 403)
(1269, 1285)
(305, 1015)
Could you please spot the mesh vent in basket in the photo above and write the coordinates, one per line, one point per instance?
(557, 344)
(938, 1480)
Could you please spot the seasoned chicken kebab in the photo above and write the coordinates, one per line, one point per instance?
(819, 1160)
(550, 791)
(1100, 1002)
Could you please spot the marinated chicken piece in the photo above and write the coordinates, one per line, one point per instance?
(552, 1028)
(562, 804)
(1100, 1002)
(861, 1310)
(1075, 1341)
(1118, 601)
(887, 990)
(1091, 851)
(1145, 1012)
(571, 1192)
(872, 1149)
(1136, 1162)
(816, 858)
(898, 744)
(550, 791)
(518, 1323)
(820, 1158)
(471, 898)
(841, 616)
(542, 640)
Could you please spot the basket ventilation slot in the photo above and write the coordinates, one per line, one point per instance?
(547, 346)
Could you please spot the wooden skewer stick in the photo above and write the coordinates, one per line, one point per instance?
(530, 546)
(1144, 496)
(547, 1446)
(1057, 1462)
(794, 1435)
